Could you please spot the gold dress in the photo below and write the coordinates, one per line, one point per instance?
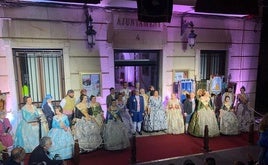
(174, 117)
(204, 115)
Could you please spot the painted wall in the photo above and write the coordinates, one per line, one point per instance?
(64, 28)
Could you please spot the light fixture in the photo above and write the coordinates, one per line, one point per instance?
(192, 36)
(91, 33)
(191, 39)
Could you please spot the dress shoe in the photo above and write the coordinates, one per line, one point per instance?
(139, 133)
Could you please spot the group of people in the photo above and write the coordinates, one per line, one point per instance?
(146, 111)
(220, 113)
(31, 128)
(49, 123)
(128, 112)
(73, 120)
(191, 115)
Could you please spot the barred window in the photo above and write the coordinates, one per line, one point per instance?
(212, 63)
(38, 72)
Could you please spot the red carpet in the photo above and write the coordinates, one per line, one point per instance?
(166, 146)
(162, 146)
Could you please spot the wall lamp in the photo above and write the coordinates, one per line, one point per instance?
(91, 33)
(192, 36)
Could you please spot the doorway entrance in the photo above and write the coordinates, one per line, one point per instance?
(137, 66)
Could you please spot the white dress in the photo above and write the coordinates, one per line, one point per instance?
(204, 115)
(174, 117)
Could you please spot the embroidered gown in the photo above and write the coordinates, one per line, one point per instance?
(62, 139)
(95, 110)
(174, 117)
(127, 120)
(156, 120)
(204, 115)
(115, 134)
(228, 120)
(244, 114)
(27, 133)
(86, 130)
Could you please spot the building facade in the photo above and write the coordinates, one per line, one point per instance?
(59, 30)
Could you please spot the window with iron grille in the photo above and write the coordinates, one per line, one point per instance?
(38, 72)
(212, 62)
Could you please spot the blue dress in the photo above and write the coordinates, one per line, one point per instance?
(27, 133)
(62, 140)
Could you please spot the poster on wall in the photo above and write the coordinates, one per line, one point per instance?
(178, 75)
(216, 84)
(91, 82)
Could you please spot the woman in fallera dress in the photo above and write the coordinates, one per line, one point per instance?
(228, 119)
(86, 129)
(61, 136)
(27, 133)
(156, 119)
(5, 128)
(174, 116)
(204, 115)
(115, 134)
(124, 113)
(244, 114)
(95, 110)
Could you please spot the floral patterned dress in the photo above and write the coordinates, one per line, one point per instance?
(244, 113)
(127, 120)
(228, 120)
(86, 130)
(115, 134)
(95, 110)
(156, 120)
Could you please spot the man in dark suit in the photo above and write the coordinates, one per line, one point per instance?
(48, 109)
(40, 153)
(110, 97)
(189, 106)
